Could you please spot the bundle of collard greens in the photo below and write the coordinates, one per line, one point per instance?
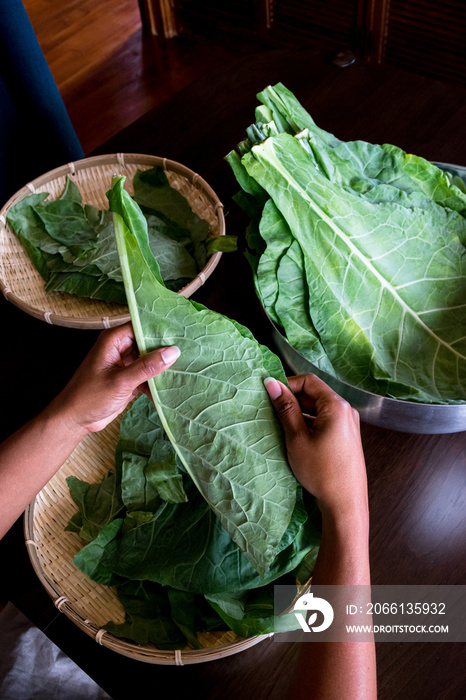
(202, 514)
(357, 252)
(74, 249)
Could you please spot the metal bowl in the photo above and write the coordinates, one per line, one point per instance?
(395, 414)
(406, 416)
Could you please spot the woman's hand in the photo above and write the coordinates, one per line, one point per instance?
(326, 453)
(326, 456)
(109, 377)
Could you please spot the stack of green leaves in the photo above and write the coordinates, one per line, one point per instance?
(358, 253)
(202, 514)
(176, 569)
(74, 249)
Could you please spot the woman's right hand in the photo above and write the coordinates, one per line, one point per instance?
(325, 453)
(109, 377)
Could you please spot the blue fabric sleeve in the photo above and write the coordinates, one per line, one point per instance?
(36, 133)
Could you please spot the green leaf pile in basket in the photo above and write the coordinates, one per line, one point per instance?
(73, 245)
(202, 514)
(358, 253)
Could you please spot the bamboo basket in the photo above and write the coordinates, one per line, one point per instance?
(22, 285)
(87, 604)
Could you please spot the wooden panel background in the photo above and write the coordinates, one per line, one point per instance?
(424, 36)
(335, 20)
(428, 36)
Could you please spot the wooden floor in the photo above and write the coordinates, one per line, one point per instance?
(108, 70)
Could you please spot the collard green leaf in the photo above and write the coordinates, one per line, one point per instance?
(71, 191)
(347, 162)
(65, 221)
(75, 523)
(386, 284)
(185, 546)
(151, 557)
(104, 255)
(278, 238)
(212, 402)
(183, 613)
(153, 193)
(89, 558)
(136, 491)
(86, 285)
(231, 608)
(32, 233)
(136, 518)
(173, 256)
(305, 568)
(222, 244)
(293, 310)
(163, 473)
(74, 249)
(144, 445)
(248, 184)
(140, 427)
(21, 216)
(387, 308)
(248, 204)
(147, 616)
(102, 261)
(98, 504)
(168, 618)
(249, 613)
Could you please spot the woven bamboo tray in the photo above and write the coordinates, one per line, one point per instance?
(90, 605)
(23, 286)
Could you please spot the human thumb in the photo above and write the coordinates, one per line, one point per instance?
(287, 409)
(149, 365)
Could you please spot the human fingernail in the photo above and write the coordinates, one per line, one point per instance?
(170, 354)
(274, 389)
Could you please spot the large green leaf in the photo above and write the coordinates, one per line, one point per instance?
(179, 550)
(386, 283)
(98, 504)
(136, 491)
(148, 616)
(152, 191)
(278, 238)
(31, 231)
(140, 428)
(183, 612)
(90, 286)
(65, 221)
(74, 249)
(89, 558)
(405, 216)
(282, 289)
(146, 460)
(172, 255)
(212, 402)
(184, 545)
(249, 613)
(362, 165)
(292, 308)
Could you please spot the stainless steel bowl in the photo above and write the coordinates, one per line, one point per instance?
(405, 416)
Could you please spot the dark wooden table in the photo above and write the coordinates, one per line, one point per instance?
(416, 482)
